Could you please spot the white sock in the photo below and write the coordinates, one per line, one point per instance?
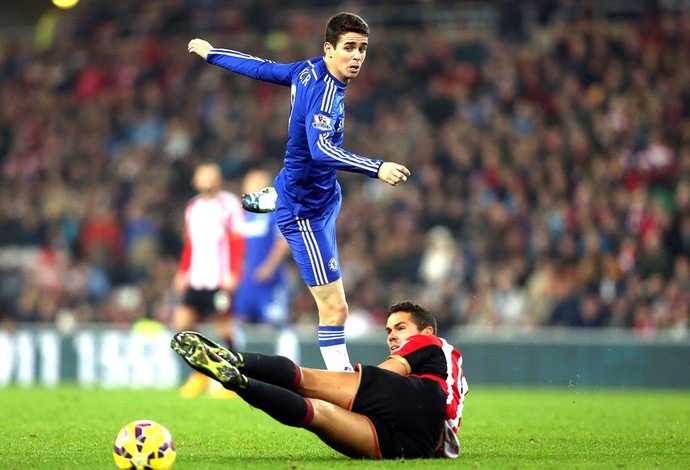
(333, 348)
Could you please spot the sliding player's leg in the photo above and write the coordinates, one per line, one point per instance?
(213, 360)
(345, 431)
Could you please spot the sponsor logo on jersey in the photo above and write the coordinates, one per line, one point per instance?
(322, 122)
(333, 264)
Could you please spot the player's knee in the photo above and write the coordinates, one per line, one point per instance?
(324, 415)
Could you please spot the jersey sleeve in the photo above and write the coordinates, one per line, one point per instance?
(237, 248)
(320, 130)
(253, 67)
(417, 350)
(236, 238)
(186, 256)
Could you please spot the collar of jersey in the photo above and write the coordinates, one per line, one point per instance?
(323, 70)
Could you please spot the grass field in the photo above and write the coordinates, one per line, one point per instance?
(71, 428)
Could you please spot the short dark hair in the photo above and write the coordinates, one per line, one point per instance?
(344, 23)
(421, 316)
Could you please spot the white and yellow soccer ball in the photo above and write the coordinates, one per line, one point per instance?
(144, 445)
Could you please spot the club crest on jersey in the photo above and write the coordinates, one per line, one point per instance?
(322, 122)
(333, 264)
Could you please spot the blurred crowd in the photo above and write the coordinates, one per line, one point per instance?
(550, 165)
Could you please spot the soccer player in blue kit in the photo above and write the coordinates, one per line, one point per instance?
(264, 292)
(308, 193)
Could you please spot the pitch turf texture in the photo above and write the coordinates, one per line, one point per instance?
(72, 428)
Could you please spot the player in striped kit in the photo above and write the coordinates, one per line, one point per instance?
(410, 406)
(308, 193)
(211, 262)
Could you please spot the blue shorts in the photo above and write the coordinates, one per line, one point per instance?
(262, 303)
(313, 245)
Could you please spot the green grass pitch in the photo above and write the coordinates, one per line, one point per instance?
(503, 428)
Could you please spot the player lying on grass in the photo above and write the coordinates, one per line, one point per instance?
(409, 406)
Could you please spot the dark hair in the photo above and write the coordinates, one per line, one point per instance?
(344, 23)
(421, 316)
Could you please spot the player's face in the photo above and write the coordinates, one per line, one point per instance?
(399, 327)
(207, 180)
(347, 57)
(255, 181)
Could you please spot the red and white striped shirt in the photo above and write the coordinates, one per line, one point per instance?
(421, 354)
(214, 245)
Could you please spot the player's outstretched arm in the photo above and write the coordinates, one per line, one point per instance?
(395, 365)
(199, 47)
(393, 173)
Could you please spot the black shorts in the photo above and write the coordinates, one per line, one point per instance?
(407, 413)
(206, 301)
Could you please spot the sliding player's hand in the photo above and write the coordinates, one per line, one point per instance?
(393, 173)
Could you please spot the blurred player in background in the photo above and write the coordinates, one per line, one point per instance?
(308, 193)
(263, 295)
(410, 406)
(210, 266)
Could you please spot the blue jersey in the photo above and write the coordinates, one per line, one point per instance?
(307, 186)
(260, 235)
(264, 301)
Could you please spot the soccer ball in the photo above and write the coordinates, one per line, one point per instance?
(144, 445)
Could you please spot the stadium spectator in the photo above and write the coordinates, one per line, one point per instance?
(410, 406)
(573, 139)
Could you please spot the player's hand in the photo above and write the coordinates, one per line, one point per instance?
(180, 282)
(229, 284)
(264, 272)
(199, 47)
(393, 173)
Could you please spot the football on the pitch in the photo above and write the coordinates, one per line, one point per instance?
(144, 444)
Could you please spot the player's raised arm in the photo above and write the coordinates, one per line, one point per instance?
(243, 63)
(199, 47)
